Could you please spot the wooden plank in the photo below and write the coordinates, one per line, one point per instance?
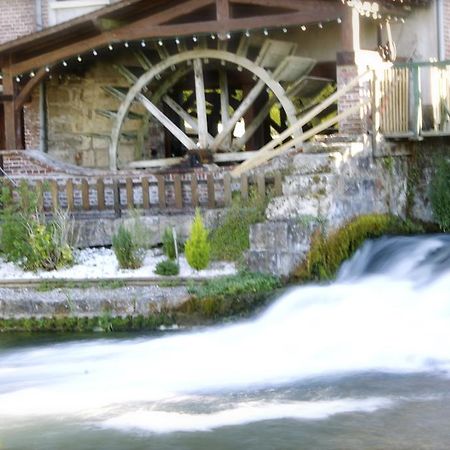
(278, 184)
(166, 122)
(224, 103)
(116, 198)
(227, 189)
(211, 191)
(162, 191)
(10, 115)
(85, 195)
(194, 191)
(101, 204)
(261, 185)
(178, 191)
(54, 193)
(201, 104)
(130, 193)
(244, 187)
(417, 113)
(69, 194)
(222, 9)
(145, 193)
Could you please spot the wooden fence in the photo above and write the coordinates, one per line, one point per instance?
(412, 100)
(158, 193)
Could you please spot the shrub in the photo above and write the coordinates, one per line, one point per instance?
(169, 244)
(440, 194)
(128, 253)
(197, 248)
(167, 268)
(327, 253)
(28, 239)
(230, 238)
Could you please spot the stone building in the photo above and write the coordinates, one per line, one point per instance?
(67, 67)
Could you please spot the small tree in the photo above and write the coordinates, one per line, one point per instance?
(197, 247)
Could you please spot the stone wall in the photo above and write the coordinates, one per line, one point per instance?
(329, 185)
(79, 134)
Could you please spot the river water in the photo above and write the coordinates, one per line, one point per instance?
(361, 363)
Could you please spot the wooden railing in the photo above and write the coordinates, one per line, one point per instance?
(157, 193)
(412, 100)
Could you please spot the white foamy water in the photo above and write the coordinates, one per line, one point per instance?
(389, 311)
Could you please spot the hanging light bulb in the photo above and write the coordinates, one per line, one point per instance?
(266, 33)
(177, 41)
(126, 44)
(303, 27)
(247, 33)
(110, 47)
(228, 35)
(143, 44)
(79, 58)
(64, 63)
(284, 30)
(320, 25)
(213, 36)
(194, 38)
(18, 79)
(32, 74)
(339, 20)
(160, 43)
(94, 52)
(47, 69)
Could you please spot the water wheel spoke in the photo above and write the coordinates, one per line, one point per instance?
(224, 103)
(201, 103)
(240, 111)
(166, 122)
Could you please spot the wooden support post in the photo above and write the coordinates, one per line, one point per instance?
(85, 195)
(130, 193)
(162, 191)
(145, 193)
(69, 194)
(211, 191)
(178, 191)
(55, 194)
(101, 195)
(224, 103)
(227, 189)
(116, 197)
(13, 128)
(194, 191)
(201, 104)
(417, 114)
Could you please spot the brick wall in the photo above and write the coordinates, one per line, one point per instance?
(17, 18)
(31, 120)
(447, 28)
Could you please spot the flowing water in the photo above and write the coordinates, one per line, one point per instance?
(361, 363)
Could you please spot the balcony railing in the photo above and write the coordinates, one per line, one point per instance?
(412, 100)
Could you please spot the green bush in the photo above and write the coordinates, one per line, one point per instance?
(167, 268)
(28, 239)
(169, 244)
(197, 247)
(128, 253)
(440, 194)
(230, 238)
(327, 253)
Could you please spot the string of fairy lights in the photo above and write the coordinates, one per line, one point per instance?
(364, 8)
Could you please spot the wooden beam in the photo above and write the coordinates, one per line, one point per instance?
(27, 89)
(287, 4)
(240, 111)
(224, 103)
(11, 117)
(264, 156)
(146, 29)
(174, 106)
(222, 9)
(161, 117)
(201, 104)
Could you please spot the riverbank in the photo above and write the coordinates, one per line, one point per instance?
(111, 306)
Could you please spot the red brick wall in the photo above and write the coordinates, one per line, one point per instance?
(447, 28)
(17, 17)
